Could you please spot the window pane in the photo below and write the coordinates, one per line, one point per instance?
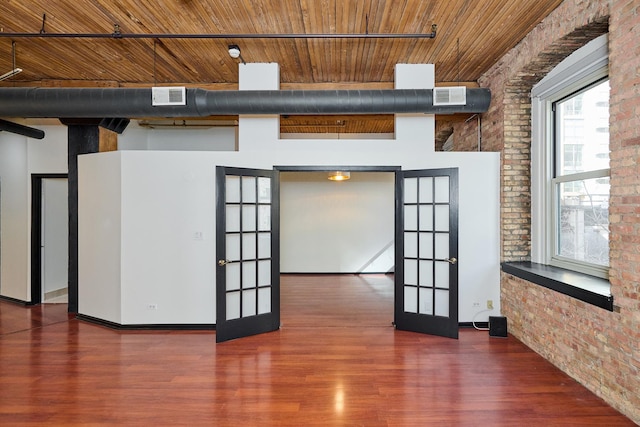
(581, 204)
(410, 190)
(583, 225)
(248, 189)
(582, 131)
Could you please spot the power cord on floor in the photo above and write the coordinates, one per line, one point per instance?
(473, 321)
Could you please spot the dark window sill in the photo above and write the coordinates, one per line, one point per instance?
(590, 289)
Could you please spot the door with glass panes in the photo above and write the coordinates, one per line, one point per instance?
(426, 242)
(248, 276)
(426, 272)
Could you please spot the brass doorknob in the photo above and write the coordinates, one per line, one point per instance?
(451, 261)
(223, 262)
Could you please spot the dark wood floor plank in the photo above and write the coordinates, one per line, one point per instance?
(335, 361)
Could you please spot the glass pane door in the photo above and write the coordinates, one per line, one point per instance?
(426, 294)
(247, 290)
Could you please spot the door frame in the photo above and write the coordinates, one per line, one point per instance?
(398, 238)
(36, 234)
(398, 221)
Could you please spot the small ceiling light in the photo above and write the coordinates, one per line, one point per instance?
(234, 51)
(339, 176)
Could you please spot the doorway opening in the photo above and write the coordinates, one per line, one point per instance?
(49, 238)
(337, 248)
(248, 250)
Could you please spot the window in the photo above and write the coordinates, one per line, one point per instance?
(570, 163)
(580, 185)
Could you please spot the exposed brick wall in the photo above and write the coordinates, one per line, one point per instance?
(442, 133)
(598, 348)
(624, 212)
(586, 342)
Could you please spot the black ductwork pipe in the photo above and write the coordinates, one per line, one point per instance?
(21, 129)
(136, 102)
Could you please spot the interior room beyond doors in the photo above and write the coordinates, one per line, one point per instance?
(54, 240)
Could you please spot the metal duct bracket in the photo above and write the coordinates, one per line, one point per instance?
(117, 125)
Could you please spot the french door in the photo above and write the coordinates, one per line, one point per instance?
(426, 273)
(247, 242)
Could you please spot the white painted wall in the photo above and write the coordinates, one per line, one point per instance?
(149, 205)
(55, 235)
(100, 236)
(336, 227)
(19, 158)
(165, 205)
(169, 196)
(167, 199)
(136, 137)
(13, 216)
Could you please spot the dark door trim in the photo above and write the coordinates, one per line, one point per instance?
(36, 234)
(334, 167)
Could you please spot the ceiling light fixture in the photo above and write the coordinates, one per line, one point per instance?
(10, 74)
(339, 176)
(234, 52)
(14, 70)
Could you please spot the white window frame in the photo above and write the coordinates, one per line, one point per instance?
(585, 66)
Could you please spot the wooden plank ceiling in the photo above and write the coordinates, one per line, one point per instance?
(471, 36)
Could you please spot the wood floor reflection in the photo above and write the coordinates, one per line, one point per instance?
(336, 361)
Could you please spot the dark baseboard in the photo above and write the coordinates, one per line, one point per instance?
(16, 301)
(154, 327)
(470, 324)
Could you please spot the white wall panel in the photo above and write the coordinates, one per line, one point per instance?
(14, 216)
(100, 236)
(19, 158)
(336, 227)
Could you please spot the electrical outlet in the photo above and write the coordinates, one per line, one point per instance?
(476, 304)
(152, 306)
(489, 304)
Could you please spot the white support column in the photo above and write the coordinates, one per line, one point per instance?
(258, 132)
(417, 127)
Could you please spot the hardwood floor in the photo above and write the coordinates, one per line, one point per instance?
(336, 361)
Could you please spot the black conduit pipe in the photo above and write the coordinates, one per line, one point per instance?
(136, 102)
(117, 34)
(21, 129)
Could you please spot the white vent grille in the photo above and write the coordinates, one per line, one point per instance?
(456, 95)
(168, 96)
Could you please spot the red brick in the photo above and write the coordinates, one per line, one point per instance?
(577, 337)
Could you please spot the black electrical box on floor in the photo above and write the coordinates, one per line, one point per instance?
(498, 326)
